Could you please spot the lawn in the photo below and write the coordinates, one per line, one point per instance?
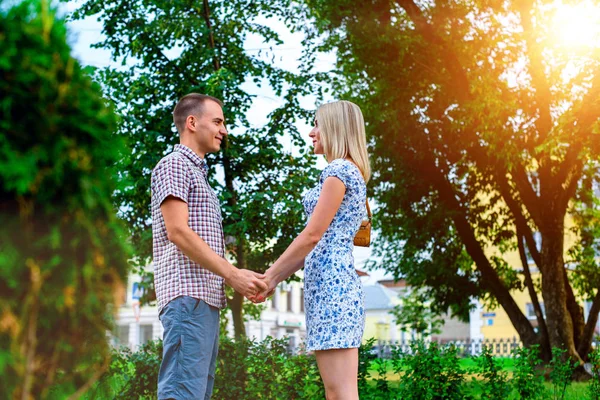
(576, 391)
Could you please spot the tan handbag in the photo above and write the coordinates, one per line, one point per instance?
(363, 236)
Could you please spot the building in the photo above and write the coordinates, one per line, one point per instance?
(379, 323)
(452, 330)
(136, 325)
(283, 316)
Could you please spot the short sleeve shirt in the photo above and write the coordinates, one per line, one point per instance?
(183, 174)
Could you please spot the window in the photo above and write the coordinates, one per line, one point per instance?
(531, 311)
(289, 300)
(274, 299)
(302, 300)
(122, 335)
(145, 334)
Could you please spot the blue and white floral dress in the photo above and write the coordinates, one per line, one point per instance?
(333, 293)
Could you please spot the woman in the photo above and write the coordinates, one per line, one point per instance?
(334, 296)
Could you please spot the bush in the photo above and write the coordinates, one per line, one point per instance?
(527, 380)
(494, 385)
(245, 370)
(62, 249)
(132, 375)
(430, 372)
(594, 388)
(265, 370)
(561, 373)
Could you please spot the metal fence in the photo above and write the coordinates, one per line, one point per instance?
(465, 347)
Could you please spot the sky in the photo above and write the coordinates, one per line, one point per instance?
(84, 33)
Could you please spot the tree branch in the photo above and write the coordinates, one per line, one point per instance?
(572, 167)
(543, 329)
(538, 79)
(527, 194)
(588, 332)
(491, 280)
(451, 62)
(520, 220)
(211, 39)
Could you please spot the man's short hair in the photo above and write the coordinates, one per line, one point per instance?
(190, 104)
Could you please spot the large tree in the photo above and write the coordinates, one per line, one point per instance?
(484, 134)
(171, 48)
(63, 251)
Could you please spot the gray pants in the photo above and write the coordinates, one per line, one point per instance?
(190, 347)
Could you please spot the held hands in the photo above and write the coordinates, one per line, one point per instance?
(247, 283)
(268, 292)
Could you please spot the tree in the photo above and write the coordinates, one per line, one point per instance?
(173, 48)
(63, 253)
(416, 314)
(484, 132)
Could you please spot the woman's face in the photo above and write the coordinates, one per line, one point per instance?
(315, 135)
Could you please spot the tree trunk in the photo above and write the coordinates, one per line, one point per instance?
(576, 312)
(554, 291)
(235, 304)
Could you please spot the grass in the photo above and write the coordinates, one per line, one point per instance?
(575, 391)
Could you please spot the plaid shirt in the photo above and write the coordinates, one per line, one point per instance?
(183, 174)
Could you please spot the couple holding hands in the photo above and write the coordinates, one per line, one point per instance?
(189, 248)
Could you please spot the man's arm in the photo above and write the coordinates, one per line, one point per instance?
(175, 214)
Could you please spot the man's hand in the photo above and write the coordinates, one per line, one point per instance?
(263, 295)
(247, 283)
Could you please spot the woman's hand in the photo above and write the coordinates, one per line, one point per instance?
(271, 283)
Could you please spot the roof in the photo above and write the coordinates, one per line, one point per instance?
(390, 283)
(378, 297)
(361, 273)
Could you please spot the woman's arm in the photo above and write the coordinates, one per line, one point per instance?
(292, 259)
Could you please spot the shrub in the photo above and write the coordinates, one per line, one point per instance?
(494, 385)
(132, 375)
(430, 372)
(62, 249)
(561, 373)
(265, 370)
(594, 387)
(245, 370)
(527, 381)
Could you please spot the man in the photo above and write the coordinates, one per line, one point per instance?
(188, 249)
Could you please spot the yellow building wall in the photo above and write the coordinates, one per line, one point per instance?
(379, 325)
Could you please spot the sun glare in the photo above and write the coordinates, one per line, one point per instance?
(577, 26)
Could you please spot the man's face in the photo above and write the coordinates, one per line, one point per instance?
(210, 129)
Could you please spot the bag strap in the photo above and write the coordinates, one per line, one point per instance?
(368, 210)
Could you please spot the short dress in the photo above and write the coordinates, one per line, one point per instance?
(333, 293)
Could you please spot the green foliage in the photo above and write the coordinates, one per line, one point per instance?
(174, 48)
(430, 372)
(62, 250)
(248, 370)
(382, 385)
(365, 357)
(594, 388)
(494, 383)
(561, 373)
(131, 374)
(527, 379)
(245, 370)
(417, 314)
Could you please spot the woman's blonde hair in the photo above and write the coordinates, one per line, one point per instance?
(342, 130)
